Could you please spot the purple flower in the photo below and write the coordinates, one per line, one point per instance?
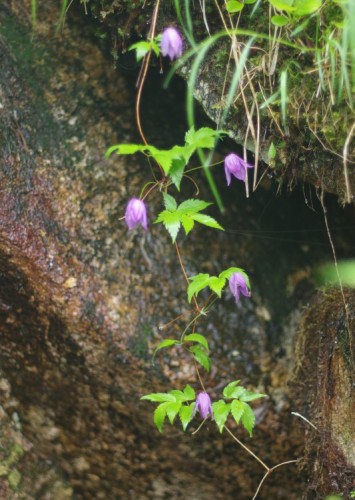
(238, 285)
(234, 165)
(203, 405)
(171, 43)
(136, 213)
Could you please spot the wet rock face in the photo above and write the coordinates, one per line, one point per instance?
(81, 299)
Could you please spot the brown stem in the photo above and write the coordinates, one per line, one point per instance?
(269, 472)
(247, 449)
(185, 275)
(199, 376)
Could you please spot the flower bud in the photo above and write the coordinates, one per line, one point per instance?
(136, 213)
(238, 285)
(203, 405)
(234, 165)
(171, 43)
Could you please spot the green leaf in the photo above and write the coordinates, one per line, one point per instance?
(171, 221)
(271, 152)
(187, 223)
(176, 172)
(234, 6)
(189, 393)
(159, 416)
(306, 7)
(202, 138)
(141, 48)
(159, 397)
(198, 282)
(217, 285)
(220, 413)
(251, 396)
(201, 357)
(172, 410)
(248, 418)
(206, 220)
(228, 390)
(125, 149)
(228, 273)
(186, 415)
(285, 5)
(165, 343)
(196, 337)
(237, 410)
(193, 206)
(238, 393)
(169, 202)
(178, 395)
(280, 21)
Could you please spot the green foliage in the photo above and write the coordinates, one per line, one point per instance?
(201, 357)
(215, 283)
(143, 47)
(238, 407)
(186, 214)
(172, 403)
(174, 160)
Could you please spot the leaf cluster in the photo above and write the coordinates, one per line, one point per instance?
(173, 403)
(238, 407)
(199, 349)
(185, 214)
(214, 283)
(174, 160)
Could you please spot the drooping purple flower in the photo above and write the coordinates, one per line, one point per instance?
(235, 165)
(171, 43)
(136, 213)
(203, 405)
(238, 285)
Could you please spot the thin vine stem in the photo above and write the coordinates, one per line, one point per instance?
(269, 472)
(247, 449)
(185, 275)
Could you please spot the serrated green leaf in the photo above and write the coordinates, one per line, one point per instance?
(192, 206)
(201, 357)
(141, 48)
(187, 223)
(186, 415)
(169, 202)
(159, 397)
(217, 285)
(202, 138)
(189, 393)
(248, 418)
(159, 416)
(237, 410)
(196, 337)
(271, 152)
(220, 413)
(234, 6)
(251, 396)
(228, 390)
(178, 395)
(238, 392)
(198, 282)
(125, 149)
(279, 21)
(176, 172)
(171, 221)
(172, 410)
(206, 220)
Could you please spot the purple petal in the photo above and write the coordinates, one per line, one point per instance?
(238, 285)
(171, 43)
(136, 213)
